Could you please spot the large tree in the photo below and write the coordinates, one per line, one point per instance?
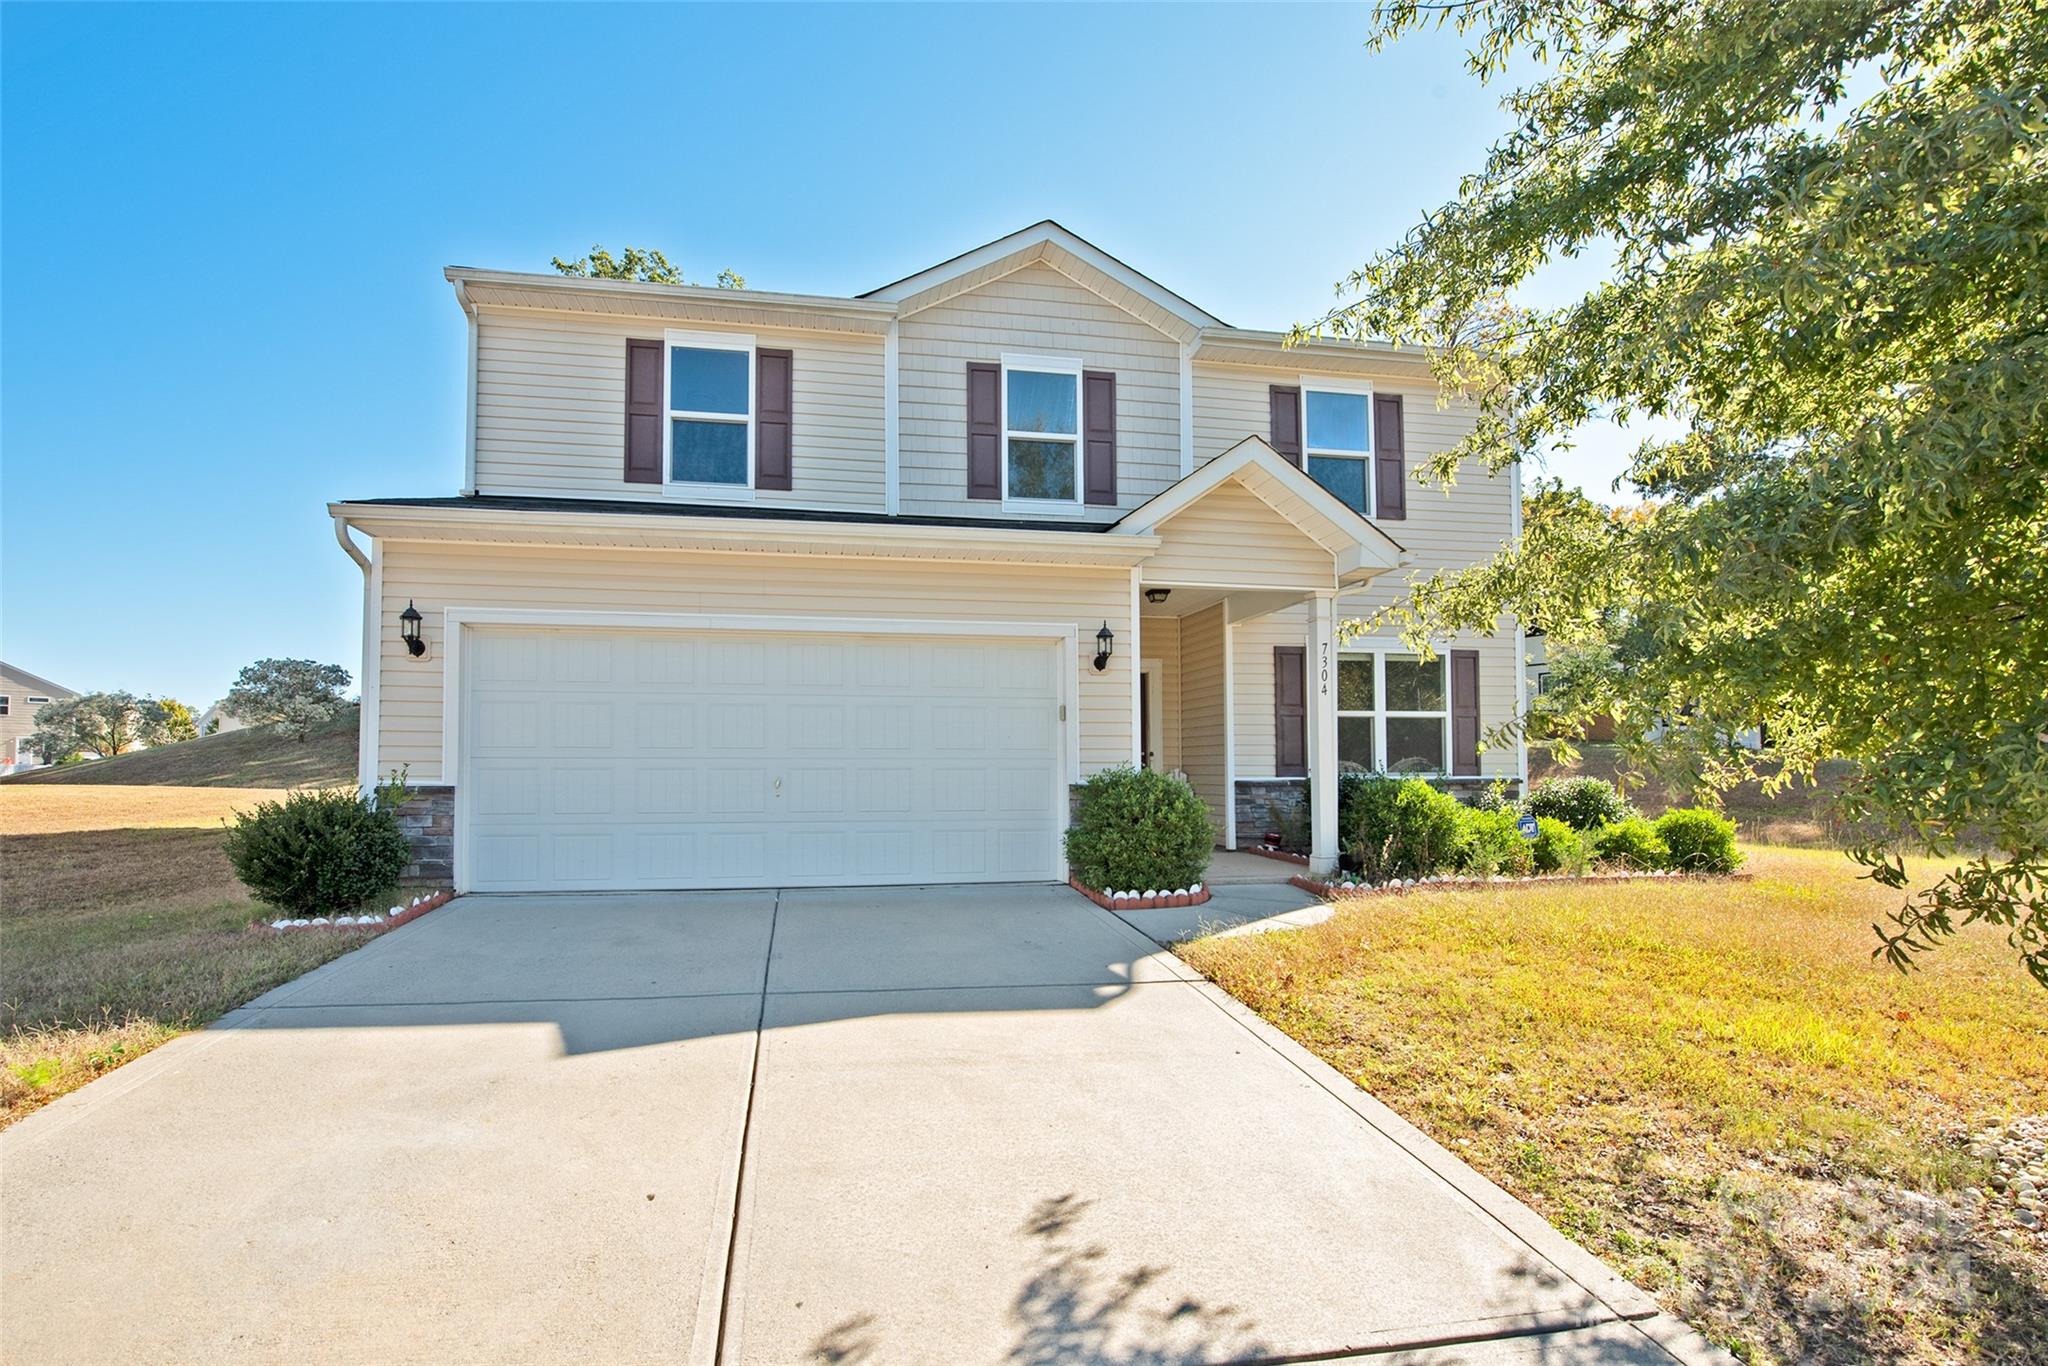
(648, 267)
(1829, 228)
(104, 724)
(294, 695)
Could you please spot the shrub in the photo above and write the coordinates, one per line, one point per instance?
(1558, 847)
(1581, 803)
(1136, 830)
(1699, 840)
(316, 853)
(1406, 828)
(1632, 843)
(1490, 843)
(1494, 797)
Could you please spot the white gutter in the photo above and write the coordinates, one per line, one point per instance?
(759, 535)
(341, 525)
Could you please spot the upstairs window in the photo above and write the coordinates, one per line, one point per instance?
(710, 404)
(1337, 441)
(1041, 430)
(1393, 713)
(3, 704)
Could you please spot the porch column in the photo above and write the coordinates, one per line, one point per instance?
(1324, 838)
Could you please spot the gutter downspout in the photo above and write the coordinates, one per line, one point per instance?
(369, 711)
(469, 395)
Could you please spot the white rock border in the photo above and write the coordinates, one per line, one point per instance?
(1452, 882)
(397, 915)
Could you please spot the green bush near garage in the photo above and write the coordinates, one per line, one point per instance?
(1136, 830)
(321, 852)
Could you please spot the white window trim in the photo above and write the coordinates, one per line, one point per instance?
(35, 701)
(1378, 653)
(1324, 385)
(1042, 365)
(698, 490)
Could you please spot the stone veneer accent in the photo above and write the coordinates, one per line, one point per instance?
(1269, 804)
(428, 820)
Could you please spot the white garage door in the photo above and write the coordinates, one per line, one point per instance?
(656, 759)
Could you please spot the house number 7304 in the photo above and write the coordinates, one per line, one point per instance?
(1323, 668)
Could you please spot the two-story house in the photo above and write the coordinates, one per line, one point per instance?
(751, 589)
(22, 695)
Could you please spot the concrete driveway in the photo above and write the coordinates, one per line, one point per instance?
(947, 1125)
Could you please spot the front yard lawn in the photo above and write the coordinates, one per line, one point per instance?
(1710, 1084)
(121, 926)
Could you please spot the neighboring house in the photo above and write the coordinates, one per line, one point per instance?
(756, 589)
(22, 695)
(1536, 662)
(217, 720)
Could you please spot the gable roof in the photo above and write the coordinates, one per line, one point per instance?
(1064, 250)
(29, 680)
(1361, 548)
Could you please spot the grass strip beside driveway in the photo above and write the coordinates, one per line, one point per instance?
(121, 926)
(1711, 1085)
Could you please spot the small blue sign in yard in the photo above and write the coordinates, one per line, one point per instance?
(1527, 825)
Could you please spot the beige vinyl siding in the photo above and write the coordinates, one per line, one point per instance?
(440, 575)
(551, 404)
(1038, 311)
(1252, 686)
(1202, 711)
(1159, 640)
(1232, 539)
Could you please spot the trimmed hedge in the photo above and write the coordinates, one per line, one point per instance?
(1698, 840)
(1581, 803)
(1136, 830)
(319, 852)
(1632, 843)
(1558, 847)
(1406, 828)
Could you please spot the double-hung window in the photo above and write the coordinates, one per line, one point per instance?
(1041, 430)
(1337, 439)
(709, 381)
(1393, 713)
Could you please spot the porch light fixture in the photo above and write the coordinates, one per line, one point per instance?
(1105, 646)
(1155, 596)
(409, 627)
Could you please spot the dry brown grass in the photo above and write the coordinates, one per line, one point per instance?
(123, 925)
(1710, 1084)
(52, 810)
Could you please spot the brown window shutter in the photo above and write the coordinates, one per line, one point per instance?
(1464, 711)
(1098, 435)
(771, 419)
(984, 430)
(1285, 402)
(1290, 711)
(1390, 458)
(643, 412)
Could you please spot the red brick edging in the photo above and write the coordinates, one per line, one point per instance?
(1140, 901)
(1268, 851)
(1345, 891)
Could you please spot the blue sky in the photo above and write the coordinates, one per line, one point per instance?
(222, 230)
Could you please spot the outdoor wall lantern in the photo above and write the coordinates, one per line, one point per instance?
(409, 627)
(1105, 646)
(1155, 596)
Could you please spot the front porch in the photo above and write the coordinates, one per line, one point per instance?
(1236, 652)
